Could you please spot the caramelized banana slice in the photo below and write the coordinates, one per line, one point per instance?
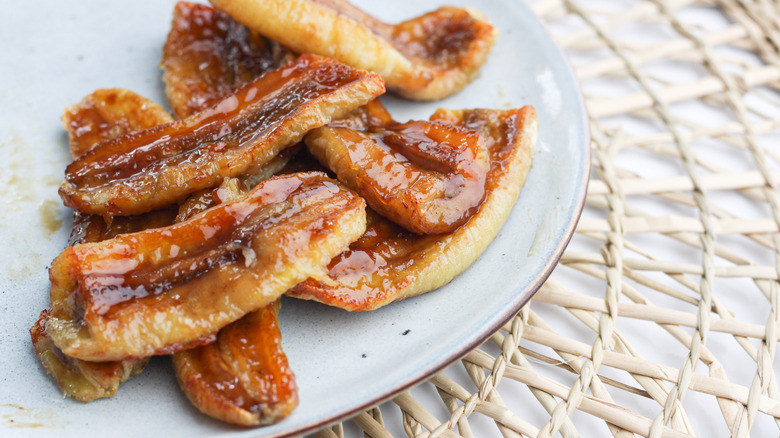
(109, 113)
(243, 377)
(389, 263)
(163, 290)
(428, 177)
(426, 58)
(208, 55)
(101, 115)
(143, 171)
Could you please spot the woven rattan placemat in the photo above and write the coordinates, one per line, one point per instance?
(661, 319)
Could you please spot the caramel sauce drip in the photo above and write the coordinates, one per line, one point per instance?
(369, 269)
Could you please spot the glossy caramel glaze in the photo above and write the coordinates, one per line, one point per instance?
(442, 38)
(389, 263)
(428, 177)
(208, 55)
(143, 171)
(93, 228)
(162, 290)
(372, 115)
(101, 115)
(242, 378)
(109, 113)
(425, 58)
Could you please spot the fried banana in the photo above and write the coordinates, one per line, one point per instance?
(425, 58)
(104, 114)
(388, 263)
(208, 56)
(167, 289)
(428, 177)
(242, 378)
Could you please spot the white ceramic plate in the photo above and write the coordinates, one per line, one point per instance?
(55, 52)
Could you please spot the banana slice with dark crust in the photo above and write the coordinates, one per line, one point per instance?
(428, 177)
(104, 114)
(84, 381)
(426, 58)
(208, 55)
(242, 378)
(143, 171)
(109, 113)
(389, 263)
(167, 289)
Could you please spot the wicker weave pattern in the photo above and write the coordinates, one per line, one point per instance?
(613, 273)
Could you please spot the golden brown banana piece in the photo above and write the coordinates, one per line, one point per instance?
(426, 58)
(208, 55)
(84, 381)
(428, 177)
(389, 263)
(101, 115)
(167, 289)
(109, 113)
(242, 378)
(149, 169)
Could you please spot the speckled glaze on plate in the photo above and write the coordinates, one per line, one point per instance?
(55, 52)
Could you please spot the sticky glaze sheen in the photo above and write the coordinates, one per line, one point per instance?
(428, 177)
(142, 171)
(389, 263)
(207, 56)
(425, 58)
(243, 377)
(161, 290)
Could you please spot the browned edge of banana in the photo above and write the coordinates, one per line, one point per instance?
(172, 288)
